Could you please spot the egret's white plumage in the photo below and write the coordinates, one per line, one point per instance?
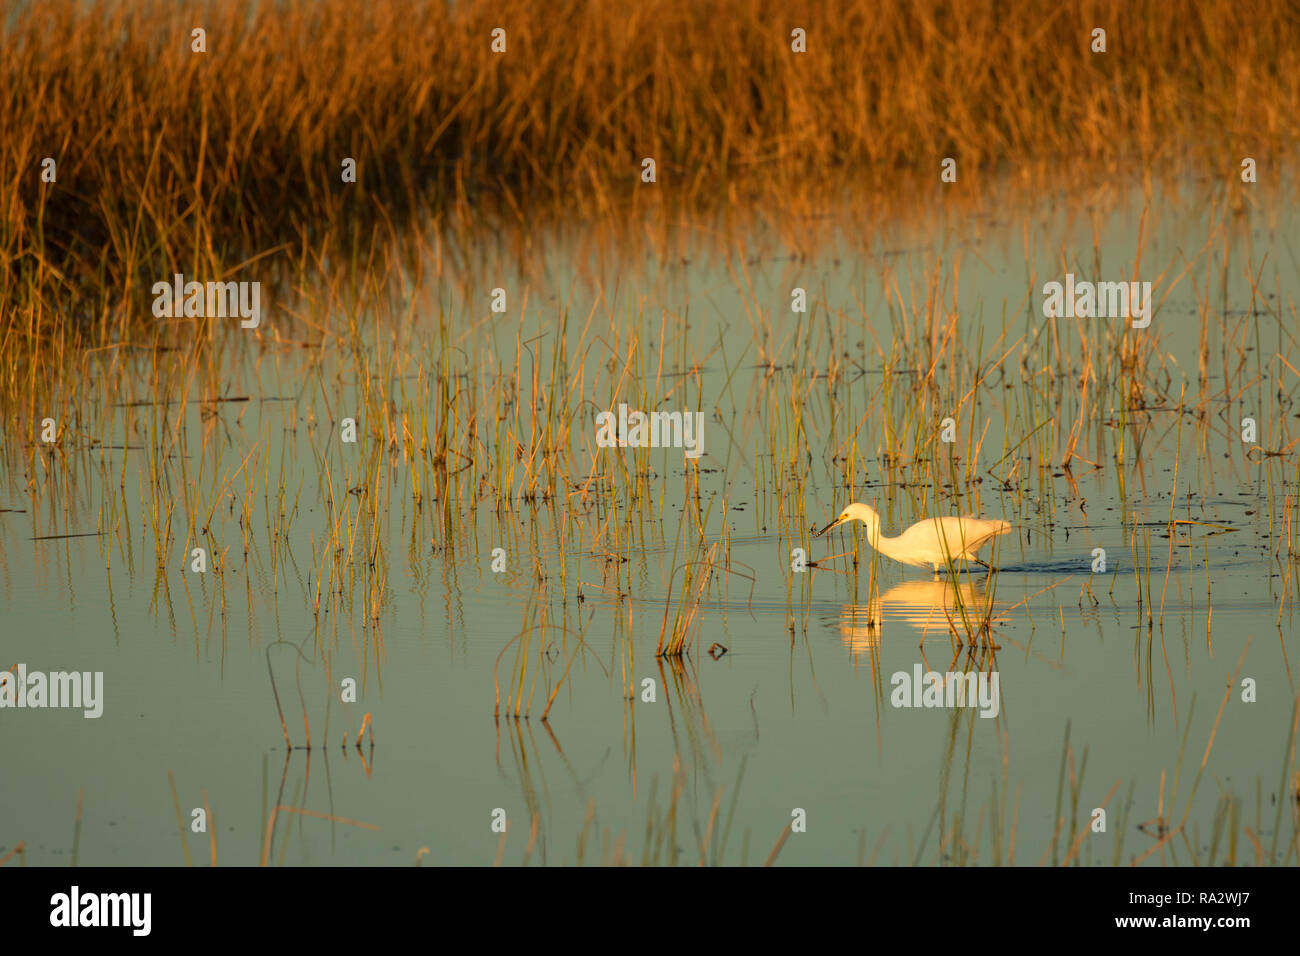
(928, 543)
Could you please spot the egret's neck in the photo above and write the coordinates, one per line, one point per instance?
(879, 543)
(872, 521)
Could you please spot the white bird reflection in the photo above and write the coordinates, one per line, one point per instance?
(928, 606)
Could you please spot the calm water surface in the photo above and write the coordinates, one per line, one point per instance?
(796, 712)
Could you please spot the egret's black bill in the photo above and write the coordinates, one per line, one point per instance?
(834, 524)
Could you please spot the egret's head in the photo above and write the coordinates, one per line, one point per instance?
(854, 512)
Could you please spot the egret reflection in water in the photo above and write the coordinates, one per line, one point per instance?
(931, 607)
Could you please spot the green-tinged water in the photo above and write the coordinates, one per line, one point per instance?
(376, 560)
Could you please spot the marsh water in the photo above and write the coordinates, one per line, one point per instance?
(364, 562)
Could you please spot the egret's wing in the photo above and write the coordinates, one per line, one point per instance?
(963, 535)
(958, 534)
(979, 531)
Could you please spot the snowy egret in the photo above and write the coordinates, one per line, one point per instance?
(928, 542)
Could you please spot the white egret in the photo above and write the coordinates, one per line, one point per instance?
(929, 542)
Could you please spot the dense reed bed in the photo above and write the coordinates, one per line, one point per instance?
(228, 163)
